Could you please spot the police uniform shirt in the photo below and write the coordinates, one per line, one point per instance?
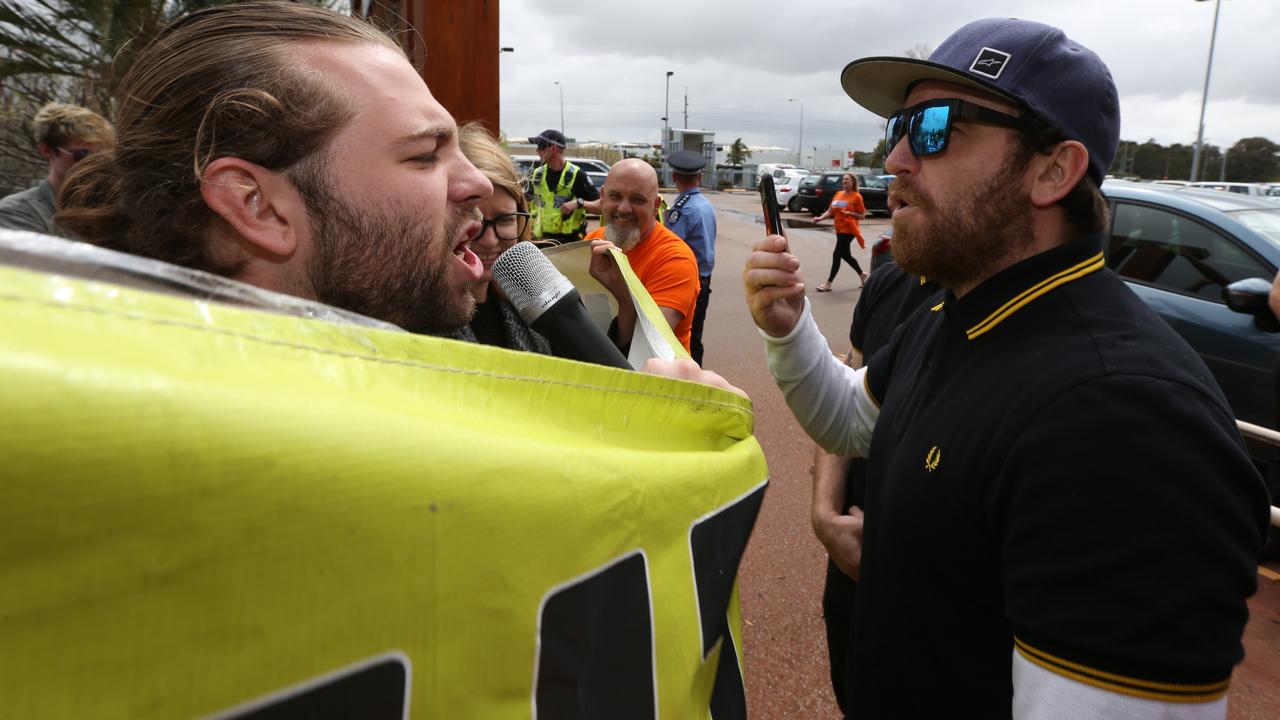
(1053, 470)
(693, 218)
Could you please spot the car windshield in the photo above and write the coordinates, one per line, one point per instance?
(871, 181)
(809, 181)
(1264, 222)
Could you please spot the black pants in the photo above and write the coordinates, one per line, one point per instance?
(844, 244)
(699, 317)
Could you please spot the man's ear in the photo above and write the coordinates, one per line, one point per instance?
(46, 152)
(262, 206)
(1058, 172)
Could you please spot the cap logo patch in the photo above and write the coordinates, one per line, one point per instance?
(990, 62)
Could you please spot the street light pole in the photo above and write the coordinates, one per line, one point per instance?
(1204, 100)
(561, 87)
(800, 142)
(666, 115)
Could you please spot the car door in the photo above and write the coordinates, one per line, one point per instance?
(1179, 266)
(875, 193)
(827, 187)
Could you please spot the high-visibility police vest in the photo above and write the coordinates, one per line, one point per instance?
(548, 220)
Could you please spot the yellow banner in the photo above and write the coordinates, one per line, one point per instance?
(217, 512)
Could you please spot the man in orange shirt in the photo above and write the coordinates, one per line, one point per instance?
(663, 262)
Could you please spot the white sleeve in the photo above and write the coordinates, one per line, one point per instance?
(1039, 694)
(827, 397)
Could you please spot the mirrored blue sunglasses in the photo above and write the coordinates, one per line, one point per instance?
(927, 125)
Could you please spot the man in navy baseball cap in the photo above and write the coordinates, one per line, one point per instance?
(1044, 452)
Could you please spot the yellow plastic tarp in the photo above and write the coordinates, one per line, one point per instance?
(213, 511)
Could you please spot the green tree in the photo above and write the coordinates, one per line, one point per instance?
(1254, 159)
(738, 153)
(74, 51)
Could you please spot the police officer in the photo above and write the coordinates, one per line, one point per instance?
(558, 190)
(694, 219)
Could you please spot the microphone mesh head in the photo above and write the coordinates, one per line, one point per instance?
(529, 280)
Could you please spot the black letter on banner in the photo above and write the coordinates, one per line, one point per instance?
(595, 657)
(717, 542)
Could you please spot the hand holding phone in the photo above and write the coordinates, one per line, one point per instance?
(769, 204)
(773, 285)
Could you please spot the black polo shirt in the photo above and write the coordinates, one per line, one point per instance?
(888, 297)
(1052, 466)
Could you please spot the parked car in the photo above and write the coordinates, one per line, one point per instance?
(816, 192)
(1256, 189)
(773, 168)
(1204, 261)
(875, 192)
(597, 170)
(787, 187)
(525, 163)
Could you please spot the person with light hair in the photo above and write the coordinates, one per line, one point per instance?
(506, 222)
(64, 135)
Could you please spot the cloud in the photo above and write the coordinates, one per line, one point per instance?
(742, 61)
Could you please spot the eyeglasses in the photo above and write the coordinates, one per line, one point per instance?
(927, 125)
(78, 154)
(508, 226)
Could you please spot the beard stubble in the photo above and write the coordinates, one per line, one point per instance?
(385, 263)
(959, 241)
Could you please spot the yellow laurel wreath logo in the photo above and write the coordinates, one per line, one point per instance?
(932, 459)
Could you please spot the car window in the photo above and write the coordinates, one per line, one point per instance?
(1265, 222)
(871, 181)
(830, 181)
(1176, 253)
(592, 165)
(809, 182)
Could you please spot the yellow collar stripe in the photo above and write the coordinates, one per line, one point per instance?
(866, 385)
(1074, 272)
(938, 307)
(1172, 692)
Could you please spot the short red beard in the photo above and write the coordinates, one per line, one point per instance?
(967, 237)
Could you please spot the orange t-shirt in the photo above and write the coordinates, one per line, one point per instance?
(842, 205)
(669, 271)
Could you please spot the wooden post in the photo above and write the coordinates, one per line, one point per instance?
(453, 44)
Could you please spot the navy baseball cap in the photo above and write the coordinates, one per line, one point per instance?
(1028, 63)
(550, 137)
(687, 162)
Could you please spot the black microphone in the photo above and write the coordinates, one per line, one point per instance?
(549, 304)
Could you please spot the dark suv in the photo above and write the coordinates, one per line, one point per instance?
(816, 192)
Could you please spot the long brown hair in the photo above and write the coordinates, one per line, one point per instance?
(220, 82)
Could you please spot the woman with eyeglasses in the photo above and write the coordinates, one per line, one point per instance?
(847, 208)
(506, 222)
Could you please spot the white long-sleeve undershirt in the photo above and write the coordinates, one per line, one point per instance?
(828, 398)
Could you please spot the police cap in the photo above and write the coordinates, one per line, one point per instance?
(550, 137)
(687, 162)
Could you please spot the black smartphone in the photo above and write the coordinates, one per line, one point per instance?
(769, 203)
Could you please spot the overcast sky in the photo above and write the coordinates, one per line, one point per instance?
(740, 62)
